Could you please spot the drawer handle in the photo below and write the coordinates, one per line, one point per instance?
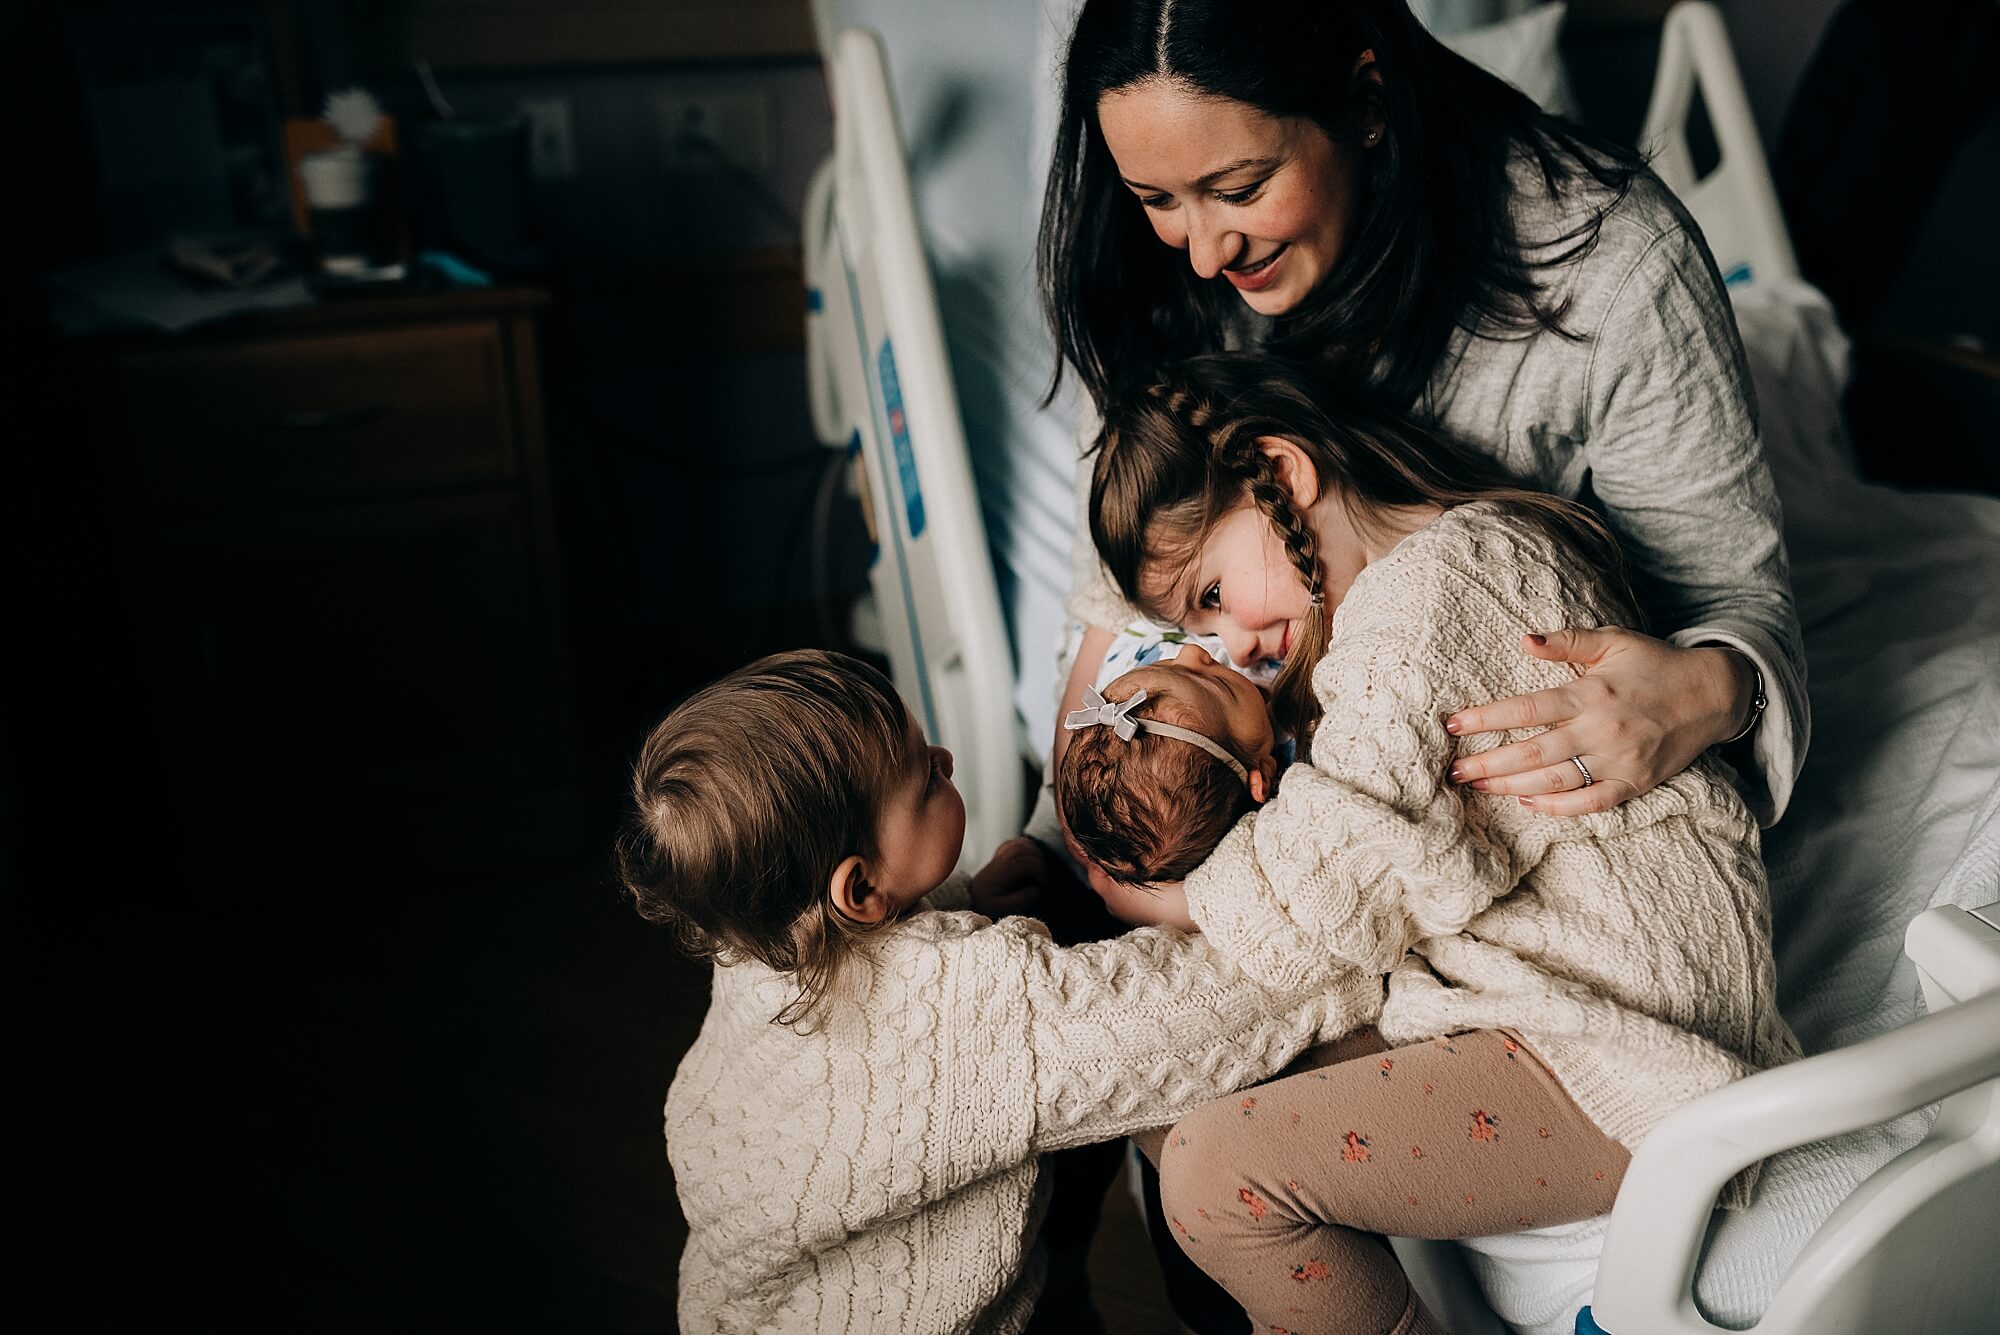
(331, 419)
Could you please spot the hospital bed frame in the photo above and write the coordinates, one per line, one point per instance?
(1910, 1249)
(881, 388)
(1736, 203)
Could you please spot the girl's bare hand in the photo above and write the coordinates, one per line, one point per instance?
(1640, 713)
(1160, 905)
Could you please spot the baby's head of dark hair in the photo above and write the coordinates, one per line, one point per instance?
(1151, 808)
(748, 796)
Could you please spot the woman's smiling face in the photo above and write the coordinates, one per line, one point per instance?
(1265, 202)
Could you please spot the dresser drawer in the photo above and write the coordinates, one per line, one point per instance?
(323, 416)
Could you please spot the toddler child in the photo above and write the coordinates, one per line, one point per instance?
(855, 1135)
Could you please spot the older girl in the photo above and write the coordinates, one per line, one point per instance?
(1328, 179)
(1554, 987)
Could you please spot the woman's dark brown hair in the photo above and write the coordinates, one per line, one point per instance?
(1176, 457)
(748, 796)
(1435, 246)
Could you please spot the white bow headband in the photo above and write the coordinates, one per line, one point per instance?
(1120, 719)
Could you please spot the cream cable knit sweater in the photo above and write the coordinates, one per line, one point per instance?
(881, 1175)
(1631, 948)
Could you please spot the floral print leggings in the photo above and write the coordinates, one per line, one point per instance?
(1283, 1192)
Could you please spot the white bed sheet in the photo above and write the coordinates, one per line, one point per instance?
(1898, 809)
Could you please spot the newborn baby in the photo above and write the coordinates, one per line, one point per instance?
(1163, 763)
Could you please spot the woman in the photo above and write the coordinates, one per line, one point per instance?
(1330, 181)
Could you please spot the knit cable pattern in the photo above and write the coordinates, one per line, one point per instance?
(1633, 945)
(880, 1173)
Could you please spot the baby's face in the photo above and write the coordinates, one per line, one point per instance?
(1213, 699)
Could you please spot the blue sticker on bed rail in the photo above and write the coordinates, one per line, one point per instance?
(899, 436)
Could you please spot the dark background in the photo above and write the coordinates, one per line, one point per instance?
(339, 1061)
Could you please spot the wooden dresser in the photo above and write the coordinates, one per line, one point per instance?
(343, 568)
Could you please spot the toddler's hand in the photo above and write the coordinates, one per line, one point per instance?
(1011, 882)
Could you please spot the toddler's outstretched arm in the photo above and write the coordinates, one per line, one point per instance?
(1008, 1045)
(1132, 1033)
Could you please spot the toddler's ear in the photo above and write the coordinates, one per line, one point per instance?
(853, 898)
(1263, 778)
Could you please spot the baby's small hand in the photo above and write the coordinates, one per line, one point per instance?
(1012, 880)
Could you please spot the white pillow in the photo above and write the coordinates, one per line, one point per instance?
(1522, 51)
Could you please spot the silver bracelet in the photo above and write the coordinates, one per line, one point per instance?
(1757, 700)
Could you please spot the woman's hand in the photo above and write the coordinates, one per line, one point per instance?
(1011, 881)
(1640, 713)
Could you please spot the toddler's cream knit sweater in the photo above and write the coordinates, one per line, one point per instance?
(1632, 948)
(880, 1174)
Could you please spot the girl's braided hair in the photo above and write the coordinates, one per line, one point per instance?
(1178, 456)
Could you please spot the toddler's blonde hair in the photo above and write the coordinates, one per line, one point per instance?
(746, 798)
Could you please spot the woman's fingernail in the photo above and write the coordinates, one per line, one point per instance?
(1538, 639)
(1527, 802)
(1482, 785)
(1458, 774)
(1453, 726)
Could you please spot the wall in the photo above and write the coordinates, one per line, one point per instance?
(684, 460)
(1774, 41)
(677, 373)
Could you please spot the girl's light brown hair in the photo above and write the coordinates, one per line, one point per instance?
(1175, 458)
(748, 796)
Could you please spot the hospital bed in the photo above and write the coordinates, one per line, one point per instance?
(1879, 1203)
(881, 389)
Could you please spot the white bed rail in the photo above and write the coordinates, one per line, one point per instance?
(881, 385)
(1899, 1253)
(1736, 204)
